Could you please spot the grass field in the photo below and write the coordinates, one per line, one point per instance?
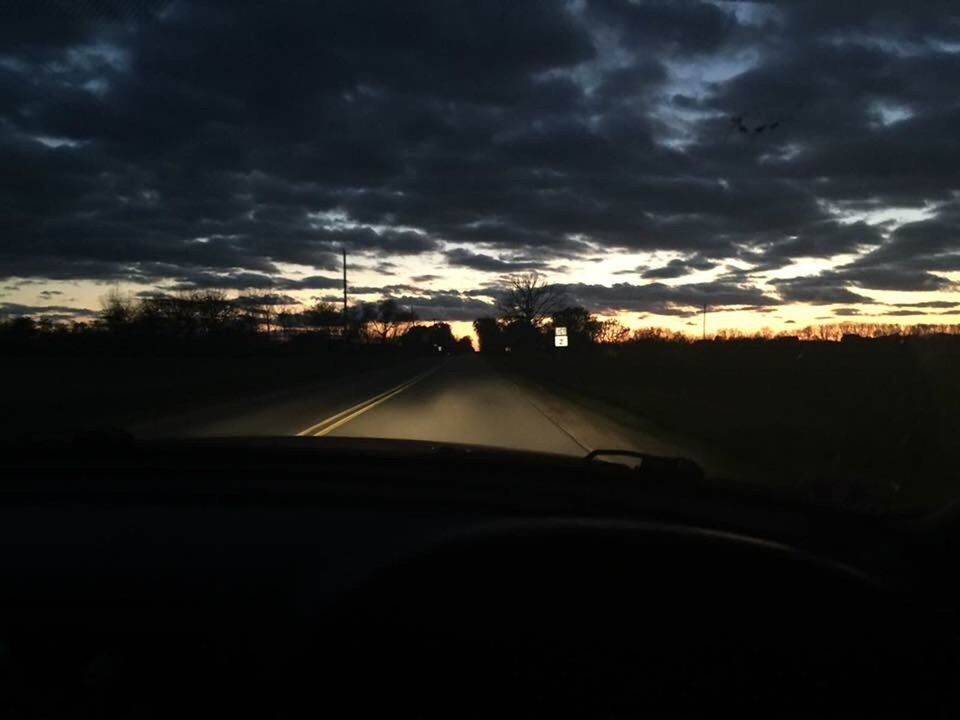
(64, 393)
(872, 423)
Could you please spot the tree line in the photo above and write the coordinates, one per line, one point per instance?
(213, 317)
(210, 313)
(530, 310)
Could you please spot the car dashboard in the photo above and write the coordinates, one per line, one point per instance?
(274, 577)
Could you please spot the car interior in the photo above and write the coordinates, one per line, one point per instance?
(278, 577)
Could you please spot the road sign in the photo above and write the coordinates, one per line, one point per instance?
(559, 337)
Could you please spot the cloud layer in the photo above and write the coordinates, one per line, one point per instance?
(217, 143)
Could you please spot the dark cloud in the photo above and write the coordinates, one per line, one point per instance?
(672, 28)
(245, 281)
(664, 299)
(888, 19)
(211, 144)
(678, 268)
(817, 290)
(826, 239)
(478, 261)
(937, 304)
(226, 281)
(912, 253)
(56, 312)
(894, 278)
(387, 290)
(266, 299)
(386, 268)
(904, 313)
(449, 305)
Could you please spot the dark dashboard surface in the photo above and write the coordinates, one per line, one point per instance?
(273, 576)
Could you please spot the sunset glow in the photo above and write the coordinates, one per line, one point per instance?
(652, 163)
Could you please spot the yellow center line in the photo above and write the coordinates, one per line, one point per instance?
(331, 423)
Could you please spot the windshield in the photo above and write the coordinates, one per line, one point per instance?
(720, 231)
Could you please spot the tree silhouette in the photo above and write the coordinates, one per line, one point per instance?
(489, 335)
(118, 311)
(611, 332)
(430, 338)
(582, 327)
(529, 300)
(324, 317)
(390, 319)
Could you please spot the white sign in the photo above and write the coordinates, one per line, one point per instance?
(560, 331)
(560, 341)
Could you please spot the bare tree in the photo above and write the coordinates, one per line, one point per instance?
(208, 311)
(391, 319)
(529, 299)
(659, 334)
(259, 308)
(611, 332)
(324, 317)
(119, 310)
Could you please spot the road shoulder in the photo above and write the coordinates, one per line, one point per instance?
(595, 424)
(196, 420)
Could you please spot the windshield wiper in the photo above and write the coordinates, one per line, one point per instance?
(655, 466)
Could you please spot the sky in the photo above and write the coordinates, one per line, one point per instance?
(781, 164)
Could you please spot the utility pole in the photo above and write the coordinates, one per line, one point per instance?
(344, 292)
(704, 321)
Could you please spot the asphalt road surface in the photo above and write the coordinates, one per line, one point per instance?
(462, 399)
(458, 399)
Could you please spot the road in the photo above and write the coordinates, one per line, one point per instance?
(464, 401)
(457, 399)
(460, 399)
